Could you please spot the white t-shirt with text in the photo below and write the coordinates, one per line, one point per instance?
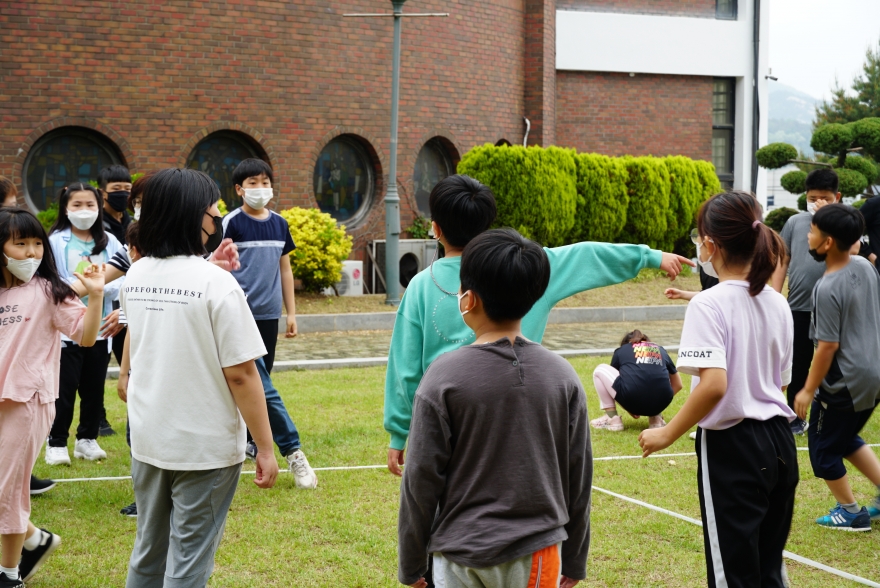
(188, 320)
(751, 338)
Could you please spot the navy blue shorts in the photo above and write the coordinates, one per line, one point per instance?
(833, 435)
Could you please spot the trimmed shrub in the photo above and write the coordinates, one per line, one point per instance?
(648, 189)
(863, 165)
(776, 155)
(802, 202)
(709, 180)
(602, 198)
(832, 139)
(794, 181)
(48, 217)
(534, 188)
(866, 134)
(852, 183)
(859, 203)
(776, 219)
(685, 195)
(321, 247)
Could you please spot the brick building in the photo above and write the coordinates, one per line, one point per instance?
(206, 83)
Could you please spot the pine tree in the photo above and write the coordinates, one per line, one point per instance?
(844, 108)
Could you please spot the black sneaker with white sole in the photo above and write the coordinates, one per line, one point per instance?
(7, 582)
(104, 429)
(130, 511)
(39, 486)
(31, 560)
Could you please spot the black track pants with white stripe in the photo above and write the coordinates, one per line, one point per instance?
(747, 477)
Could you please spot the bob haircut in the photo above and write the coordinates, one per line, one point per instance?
(137, 190)
(62, 222)
(250, 168)
(174, 204)
(113, 173)
(16, 223)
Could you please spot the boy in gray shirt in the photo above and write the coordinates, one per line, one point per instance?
(803, 273)
(843, 385)
(497, 480)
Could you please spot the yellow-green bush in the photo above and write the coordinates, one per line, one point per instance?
(602, 198)
(321, 247)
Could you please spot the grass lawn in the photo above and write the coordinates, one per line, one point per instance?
(344, 533)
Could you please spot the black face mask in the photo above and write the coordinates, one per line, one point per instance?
(118, 200)
(214, 239)
(820, 257)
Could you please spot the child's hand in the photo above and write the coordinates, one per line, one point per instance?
(291, 327)
(671, 264)
(802, 402)
(395, 460)
(653, 440)
(673, 293)
(122, 387)
(568, 583)
(422, 583)
(93, 279)
(226, 256)
(111, 326)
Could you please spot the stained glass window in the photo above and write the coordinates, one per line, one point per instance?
(63, 157)
(343, 180)
(432, 165)
(217, 155)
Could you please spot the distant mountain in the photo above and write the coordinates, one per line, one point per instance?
(791, 116)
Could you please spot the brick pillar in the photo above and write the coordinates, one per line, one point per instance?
(540, 66)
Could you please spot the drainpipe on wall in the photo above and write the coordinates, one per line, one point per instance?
(756, 110)
(528, 128)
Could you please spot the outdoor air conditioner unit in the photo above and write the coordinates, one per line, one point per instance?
(351, 283)
(414, 255)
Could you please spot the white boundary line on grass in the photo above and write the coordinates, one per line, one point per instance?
(788, 554)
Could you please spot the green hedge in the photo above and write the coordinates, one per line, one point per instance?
(863, 165)
(775, 155)
(603, 198)
(534, 188)
(794, 181)
(777, 218)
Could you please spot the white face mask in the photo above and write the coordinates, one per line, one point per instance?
(23, 269)
(257, 198)
(83, 219)
(811, 207)
(137, 213)
(460, 296)
(707, 266)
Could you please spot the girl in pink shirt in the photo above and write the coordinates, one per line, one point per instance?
(35, 306)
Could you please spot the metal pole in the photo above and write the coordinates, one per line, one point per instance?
(392, 199)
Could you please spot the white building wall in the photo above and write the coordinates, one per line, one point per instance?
(675, 45)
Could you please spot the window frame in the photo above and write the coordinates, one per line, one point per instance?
(727, 16)
(242, 139)
(727, 177)
(359, 146)
(102, 141)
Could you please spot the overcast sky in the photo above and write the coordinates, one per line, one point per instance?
(811, 41)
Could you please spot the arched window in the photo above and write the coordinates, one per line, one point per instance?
(434, 163)
(62, 157)
(343, 180)
(218, 154)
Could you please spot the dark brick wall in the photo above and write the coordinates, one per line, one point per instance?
(540, 71)
(615, 114)
(156, 77)
(695, 8)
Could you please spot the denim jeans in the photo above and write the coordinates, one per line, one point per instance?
(284, 432)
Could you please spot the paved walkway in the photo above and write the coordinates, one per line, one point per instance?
(345, 344)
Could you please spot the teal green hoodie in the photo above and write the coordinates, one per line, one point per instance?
(429, 323)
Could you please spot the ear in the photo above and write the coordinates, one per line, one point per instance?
(239, 190)
(838, 197)
(435, 228)
(471, 302)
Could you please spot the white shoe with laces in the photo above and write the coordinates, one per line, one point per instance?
(302, 471)
(57, 456)
(88, 449)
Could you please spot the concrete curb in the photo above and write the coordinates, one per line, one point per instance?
(384, 321)
(356, 362)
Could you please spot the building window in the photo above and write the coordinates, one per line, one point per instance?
(723, 113)
(725, 9)
(217, 155)
(343, 180)
(62, 157)
(433, 164)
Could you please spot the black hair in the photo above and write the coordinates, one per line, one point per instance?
(173, 207)
(507, 271)
(249, 168)
(6, 188)
(137, 190)
(113, 173)
(635, 336)
(733, 220)
(17, 223)
(823, 179)
(841, 222)
(63, 222)
(131, 236)
(463, 207)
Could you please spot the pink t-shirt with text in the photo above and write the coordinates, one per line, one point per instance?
(30, 348)
(751, 338)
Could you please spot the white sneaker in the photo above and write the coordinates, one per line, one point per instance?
(693, 435)
(302, 471)
(656, 422)
(57, 456)
(88, 449)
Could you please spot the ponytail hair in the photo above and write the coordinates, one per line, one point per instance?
(635, 336)
(733, 221)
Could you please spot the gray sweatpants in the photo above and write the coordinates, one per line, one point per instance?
(541, 569)
(181, 516)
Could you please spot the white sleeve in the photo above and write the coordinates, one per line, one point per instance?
(235, 331)
(703, 342)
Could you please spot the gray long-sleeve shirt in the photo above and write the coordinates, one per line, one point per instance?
(499, 463)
